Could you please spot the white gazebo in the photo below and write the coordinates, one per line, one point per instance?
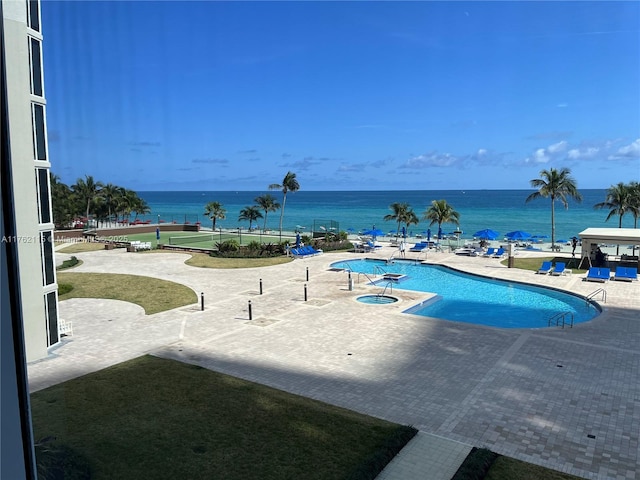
(592, 237)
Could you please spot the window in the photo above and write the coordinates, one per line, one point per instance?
(48, 266)
(39, 141)
(33, 12)
(51, 311)
(35, 60)
(44, 205)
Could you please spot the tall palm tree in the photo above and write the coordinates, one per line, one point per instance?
(267, 203)
(556, 185)
(251, 213)
(62, 203)
(402, 213)
(86, 192)
(441, 212)
(621, 199)
(289, 184)
(214, 211)
(110, 194)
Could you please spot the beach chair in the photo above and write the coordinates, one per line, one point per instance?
(64, 328)
(545, 268)
(499, 253)
(418, 247)
(625, 274)
(490, 252)
(373, 246)
(559, 269)
(598, 274)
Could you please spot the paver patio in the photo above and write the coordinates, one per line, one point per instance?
(567, 399)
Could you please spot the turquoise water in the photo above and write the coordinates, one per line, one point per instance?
(376, 299)
(501, 210)
(473, 299)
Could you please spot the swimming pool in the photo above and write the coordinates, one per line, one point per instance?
(464, 297)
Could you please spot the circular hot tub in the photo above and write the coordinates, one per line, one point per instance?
(377, 299)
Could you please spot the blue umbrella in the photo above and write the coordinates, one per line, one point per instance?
(486, 234)
(376, 232)
(404, 232)
(428, 234)
(518, 235)
(157, 233)
(297, 240)
(439, 232)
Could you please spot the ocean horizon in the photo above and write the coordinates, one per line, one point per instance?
(500, 210)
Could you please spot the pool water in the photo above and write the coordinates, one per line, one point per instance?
(376, 299)
(470, 298)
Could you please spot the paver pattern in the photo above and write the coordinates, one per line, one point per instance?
(568, 399)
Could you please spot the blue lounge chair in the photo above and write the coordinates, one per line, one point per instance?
(373, 246)
(499, 253)
(559, 269)
(490, 252)
(598, 274)
(418, 247)
(545, 267)
(626, 274)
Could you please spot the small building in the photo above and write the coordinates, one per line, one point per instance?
(592, 238)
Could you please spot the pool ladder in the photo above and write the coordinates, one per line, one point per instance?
(560, 319)
(384, 290)
(593, 294)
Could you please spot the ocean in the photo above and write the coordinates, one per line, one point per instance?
(500, 210)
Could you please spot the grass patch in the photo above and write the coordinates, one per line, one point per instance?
(533, 264)
(203, 260)
(152, 294)
(80, 247)
(162, 419)
(506, 468)
(476, 465)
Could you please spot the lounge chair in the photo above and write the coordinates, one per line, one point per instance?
(499, 253)
(598, 274)
(625, 274)
(545, 267)
(559, 269)
(418, 247)
(373, 246)
(490, 252)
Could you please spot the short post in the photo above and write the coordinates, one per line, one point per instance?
(307, 274)
(305, 292)
(260, 286)
(250, 313)
(202, 301)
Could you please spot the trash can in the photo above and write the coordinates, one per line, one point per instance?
(350, 284)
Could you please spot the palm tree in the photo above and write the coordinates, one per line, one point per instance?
(621, 199)
(402, 213)
(289, 184)
(214, 211)
(267, 203)
(86, 192)
(251, 213)
(110, 194)
(556, 185)
(61, 202)
(441, 212)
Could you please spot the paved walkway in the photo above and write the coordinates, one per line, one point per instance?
(566, 399)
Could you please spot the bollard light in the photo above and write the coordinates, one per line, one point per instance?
(260, 286)
(250, 313)
(201, 301)
(307, 274)
(305, 292)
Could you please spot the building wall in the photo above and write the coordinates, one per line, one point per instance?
(29, 154)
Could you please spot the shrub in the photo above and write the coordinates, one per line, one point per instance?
(227, 246)
(64, 288)
(72, 262)
(335, 245)
(60, 462)
(254, 245)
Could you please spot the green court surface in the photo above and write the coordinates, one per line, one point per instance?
(203, 239)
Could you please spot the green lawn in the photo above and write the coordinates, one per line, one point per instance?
(152, 294)
(505, 468)
(159, 419)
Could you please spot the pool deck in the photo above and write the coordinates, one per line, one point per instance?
(568, 399)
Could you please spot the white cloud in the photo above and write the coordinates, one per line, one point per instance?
(434, 159)
(557, 147)
(632, 150)
(586, 153)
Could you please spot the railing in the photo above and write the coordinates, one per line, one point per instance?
(559, 319)
(378, 268)
(384, 290)
(593, 294)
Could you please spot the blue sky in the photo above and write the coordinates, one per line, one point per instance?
(176, 95)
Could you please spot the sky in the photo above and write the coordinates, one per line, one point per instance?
(217, 96)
